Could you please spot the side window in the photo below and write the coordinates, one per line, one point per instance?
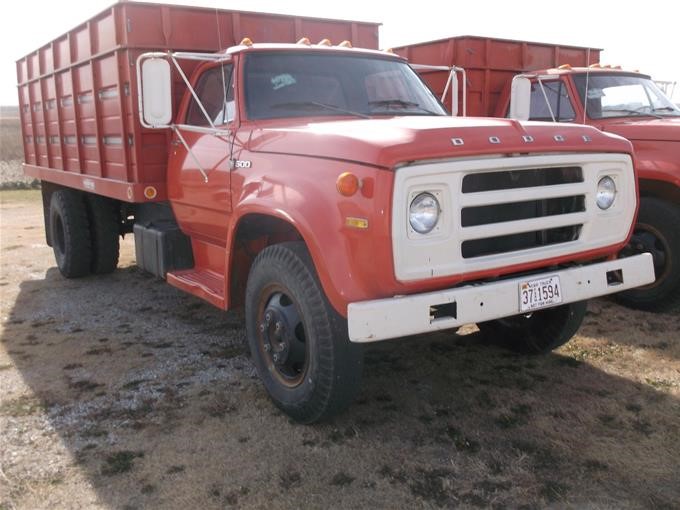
(215, 89)
(558, 99)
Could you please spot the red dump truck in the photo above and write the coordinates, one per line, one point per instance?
(322, 187)
(567, 84)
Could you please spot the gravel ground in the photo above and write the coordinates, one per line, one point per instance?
(122, 392)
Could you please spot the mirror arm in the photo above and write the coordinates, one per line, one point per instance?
(190, 152)
(545, 96)
(191, 90)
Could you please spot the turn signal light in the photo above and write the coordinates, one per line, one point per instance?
(347, 184)
(246, 41)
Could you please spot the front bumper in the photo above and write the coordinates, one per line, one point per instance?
(380, 319)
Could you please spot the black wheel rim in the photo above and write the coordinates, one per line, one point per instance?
(648, 239)
(282, 337)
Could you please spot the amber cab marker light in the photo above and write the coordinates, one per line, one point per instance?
(246, 41)
(345, 44)
(347, 184)
(150, 192)
(565, 67)
(305, 41)
(325, 42)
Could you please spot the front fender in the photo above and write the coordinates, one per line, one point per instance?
(658, 160)
(352, 263)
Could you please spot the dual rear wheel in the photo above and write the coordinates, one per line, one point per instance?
(85, 232)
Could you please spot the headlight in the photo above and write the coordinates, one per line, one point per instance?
(424, 213)
(606, 192)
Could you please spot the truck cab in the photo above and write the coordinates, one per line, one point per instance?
(628, 104)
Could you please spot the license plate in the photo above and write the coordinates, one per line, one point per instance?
(535, 294)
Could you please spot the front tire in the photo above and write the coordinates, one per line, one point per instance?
(70, 233)
(657, 232)
(539, 332)
(298, 342)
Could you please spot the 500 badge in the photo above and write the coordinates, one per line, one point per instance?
(240, 163)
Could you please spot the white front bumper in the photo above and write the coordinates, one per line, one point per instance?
(381, 319)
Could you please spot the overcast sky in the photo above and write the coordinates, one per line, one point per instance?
(636, 35)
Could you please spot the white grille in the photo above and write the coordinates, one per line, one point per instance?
(545, 208)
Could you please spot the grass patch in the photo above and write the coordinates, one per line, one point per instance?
(554, 491)
(659, 384)
(84, 385)
(10, 138)
(290, 479)
(342, 479)
(461, 442)
(120, 462)
(22, 406)
(135, 384)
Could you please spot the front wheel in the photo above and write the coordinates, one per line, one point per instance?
(298, 342)
(538, 332)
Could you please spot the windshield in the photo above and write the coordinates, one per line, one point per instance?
(279, 85)
(615, 95)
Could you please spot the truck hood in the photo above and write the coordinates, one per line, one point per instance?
(667, 130)
(388, 142)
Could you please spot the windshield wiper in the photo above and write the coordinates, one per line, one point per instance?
(315, 105)
(667, 109)
(402, 103)
(628, 110)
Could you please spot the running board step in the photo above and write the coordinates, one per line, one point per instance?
(202, 283)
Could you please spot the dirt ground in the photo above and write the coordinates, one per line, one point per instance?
(122, 392)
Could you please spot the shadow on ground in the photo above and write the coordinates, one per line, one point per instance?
(154, 396)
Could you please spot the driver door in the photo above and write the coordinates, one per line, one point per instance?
(202, 208)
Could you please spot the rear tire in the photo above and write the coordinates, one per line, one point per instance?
(104, 218)
(70, 233)
(539, 332)
(657, 232)
(298, 342)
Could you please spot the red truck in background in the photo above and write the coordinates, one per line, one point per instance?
(322, 187)
(567, 84)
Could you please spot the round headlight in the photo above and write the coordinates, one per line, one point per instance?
(424, 213)
(606, 192)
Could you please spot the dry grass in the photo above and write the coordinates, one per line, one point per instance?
(11, 147)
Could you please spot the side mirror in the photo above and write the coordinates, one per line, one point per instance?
(520, 98)
(154, 80)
